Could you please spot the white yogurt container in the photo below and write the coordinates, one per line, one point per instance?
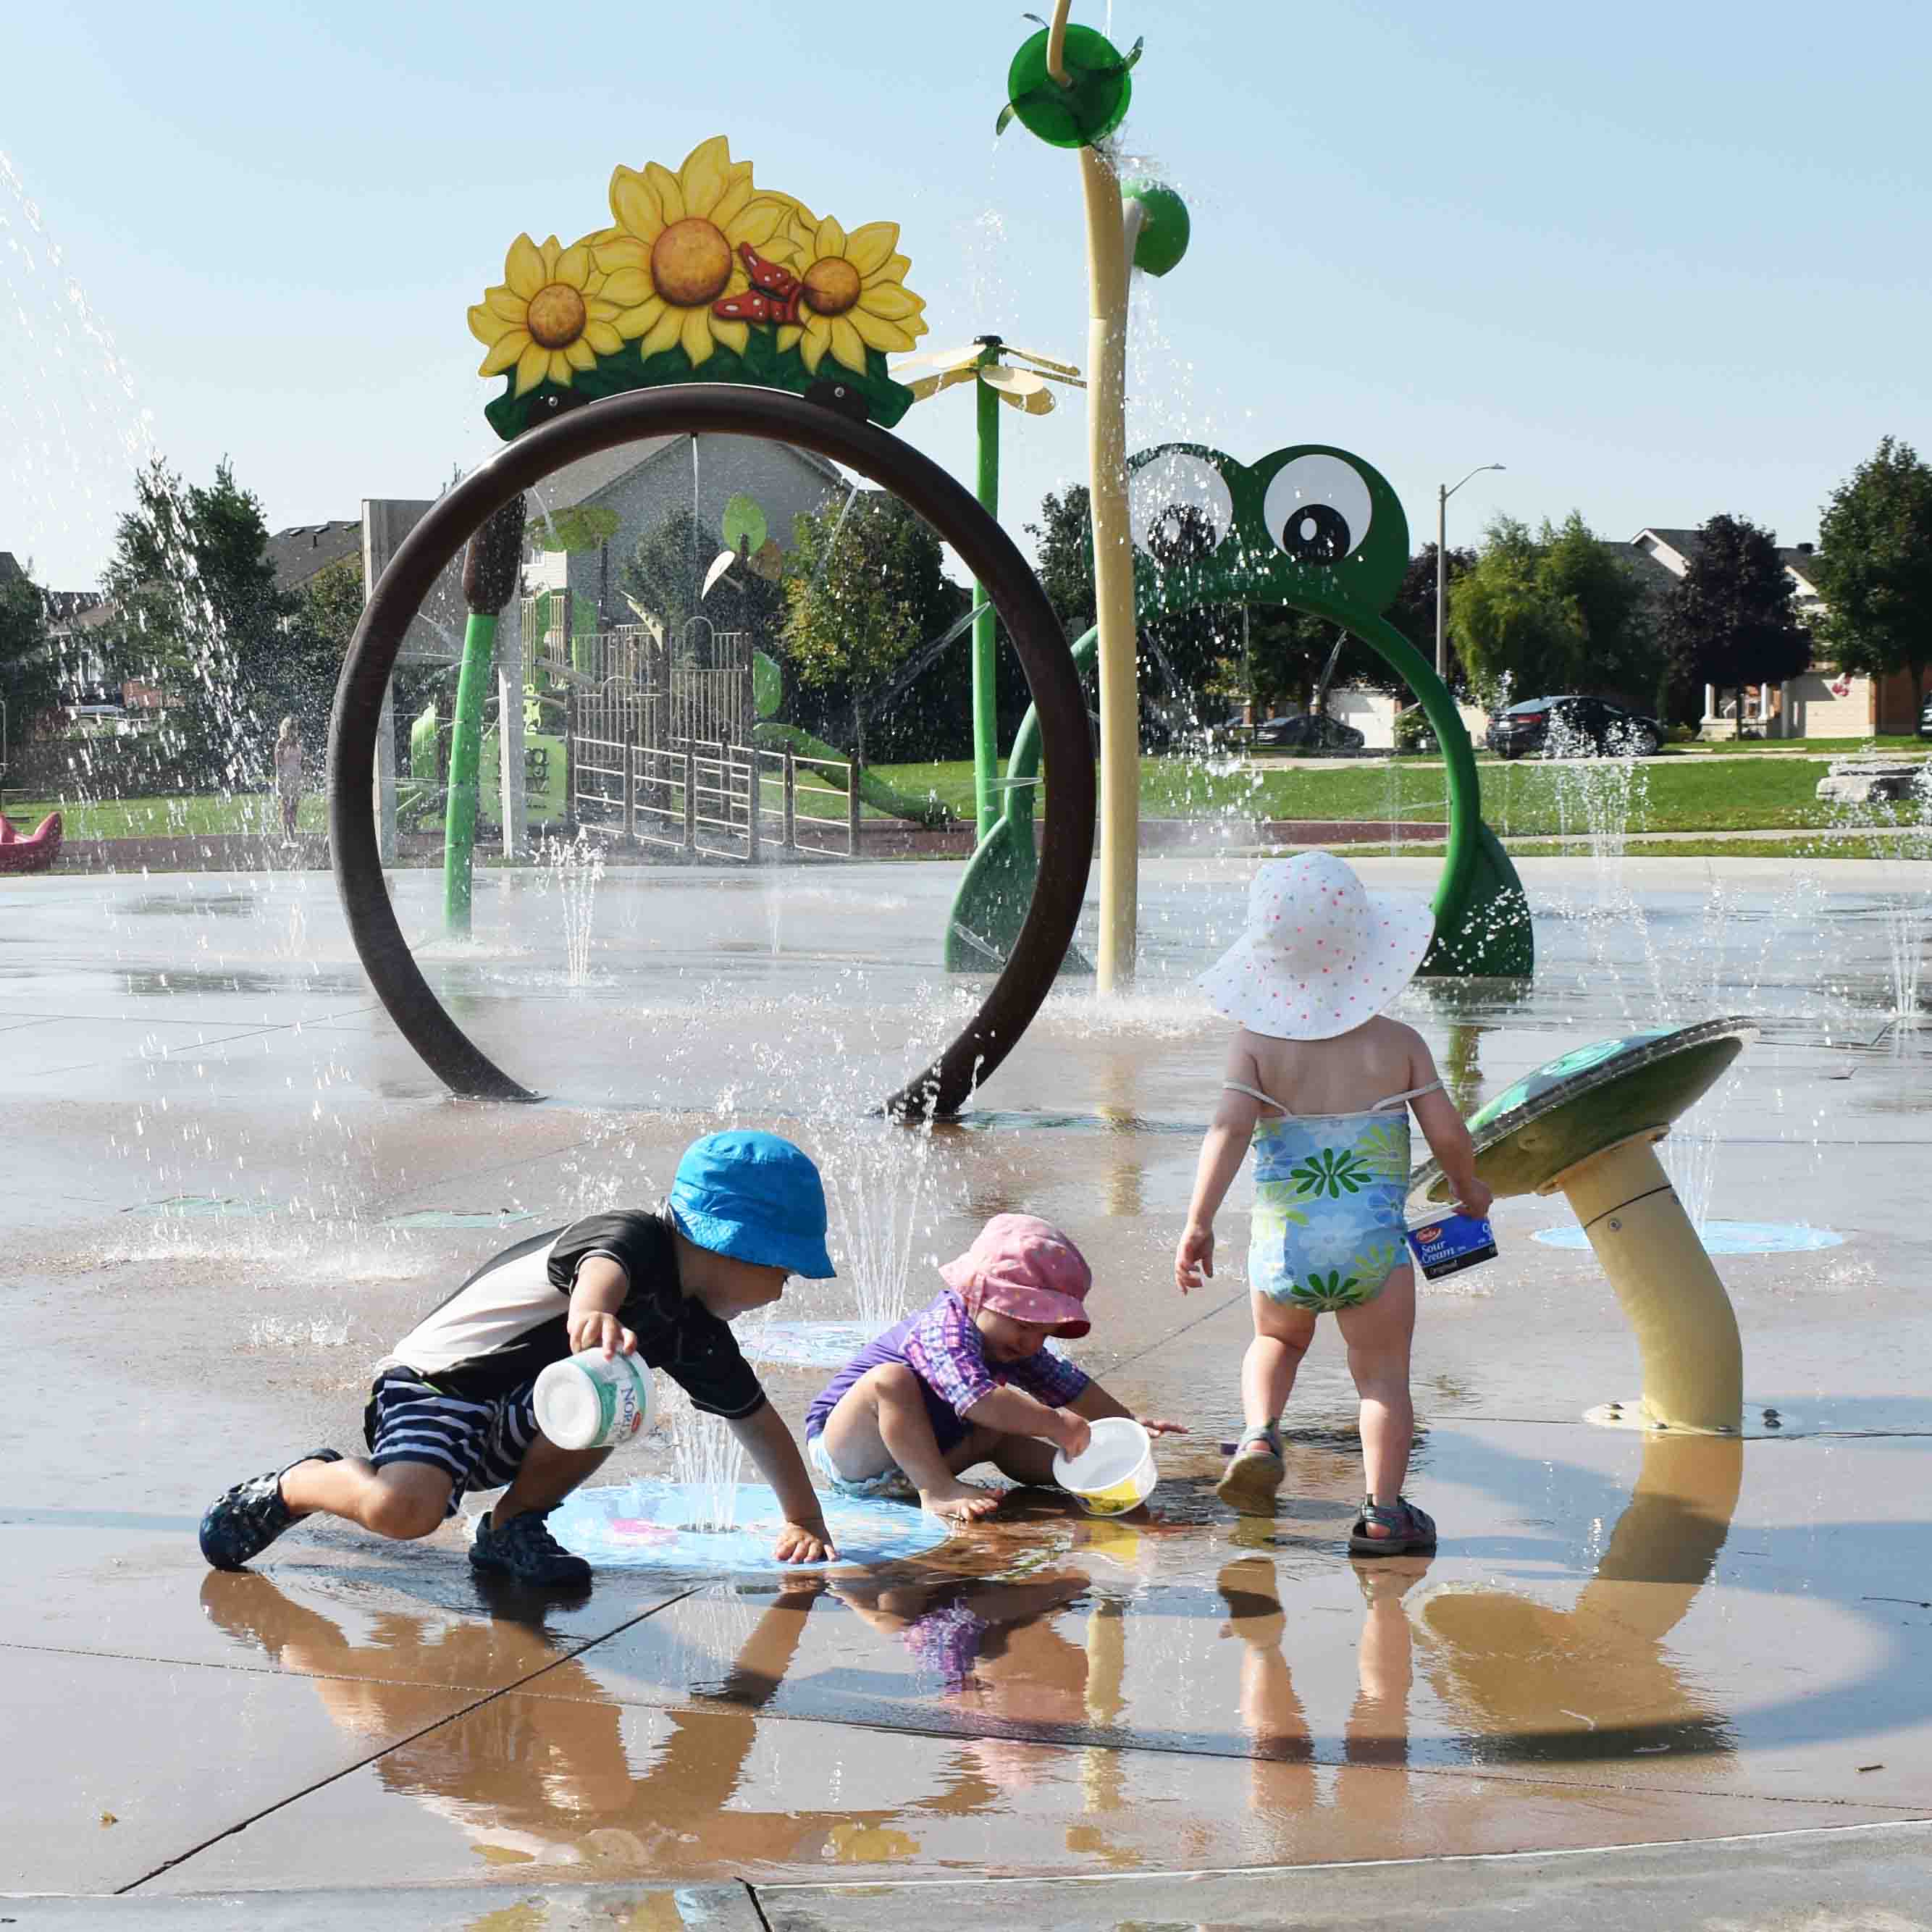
(586, 1402)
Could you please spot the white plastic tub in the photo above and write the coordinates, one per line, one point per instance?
(1114, 1473)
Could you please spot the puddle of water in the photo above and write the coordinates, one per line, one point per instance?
(457, 1217)
(643, 1526)
(1726, 1237)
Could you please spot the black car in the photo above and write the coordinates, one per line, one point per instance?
(1559, 727)
(1312, 731)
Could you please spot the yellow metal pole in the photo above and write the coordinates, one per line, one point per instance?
(1113, 571)
(1113, 547)
(1686, 1332)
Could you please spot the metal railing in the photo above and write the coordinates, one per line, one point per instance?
(711, 800)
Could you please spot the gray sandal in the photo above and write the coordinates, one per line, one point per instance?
(1251, 1479)
(1411, 1530)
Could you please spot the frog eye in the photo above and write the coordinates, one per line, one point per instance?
(1179, 508)
(1317, 508)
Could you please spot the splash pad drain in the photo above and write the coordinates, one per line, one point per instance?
(1726, 1237)
(647, 1526)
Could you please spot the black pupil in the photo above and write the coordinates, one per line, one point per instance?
(1316, 533)
(1183, 532)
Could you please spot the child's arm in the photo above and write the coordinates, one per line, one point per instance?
(1094, 1402)
(595, 1296)
(1013, 1412)
(1222, 1153)
(805, 1538)
(1442, 1126)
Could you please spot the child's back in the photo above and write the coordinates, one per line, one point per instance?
(1350, 1074)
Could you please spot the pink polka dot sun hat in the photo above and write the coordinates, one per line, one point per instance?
(1021, 1266)
(1321, 954)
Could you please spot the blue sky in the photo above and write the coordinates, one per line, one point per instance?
(1661, 261)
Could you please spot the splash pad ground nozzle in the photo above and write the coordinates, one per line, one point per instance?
(1586, 1126)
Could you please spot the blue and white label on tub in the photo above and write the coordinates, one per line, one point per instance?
(1455, 1242)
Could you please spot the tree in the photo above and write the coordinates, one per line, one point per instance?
(864, 587)
(1413, 613)
(328, 607)
(663, 581)
(1730, 619)
(30, 673)
(1065, 535)
(198, 614)
(1874, 566)
(1555, 611)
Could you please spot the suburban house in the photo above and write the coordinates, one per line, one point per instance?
(1824, 702)
(643, 484)
(303, 549)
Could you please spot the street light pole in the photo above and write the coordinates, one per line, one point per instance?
(1443, 494)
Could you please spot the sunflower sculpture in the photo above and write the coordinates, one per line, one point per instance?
(702, 277)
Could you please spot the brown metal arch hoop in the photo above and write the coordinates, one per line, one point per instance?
(723, 410)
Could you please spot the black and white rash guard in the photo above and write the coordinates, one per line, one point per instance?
(507, 1321)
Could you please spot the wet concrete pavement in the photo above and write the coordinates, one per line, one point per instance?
(232, 1186)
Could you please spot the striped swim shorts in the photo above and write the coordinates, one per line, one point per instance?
(479, 1445)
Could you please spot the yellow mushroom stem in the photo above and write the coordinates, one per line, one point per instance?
(1686, 1332)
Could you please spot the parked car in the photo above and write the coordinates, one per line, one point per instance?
(1312, 731)
(1925, 719)
(1564, 726)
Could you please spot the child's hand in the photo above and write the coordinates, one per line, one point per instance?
(1153, 1425)
(1476, 1197)
(1074, 1434)
(594, 1329)
(1194, 1259)
(804, 1543)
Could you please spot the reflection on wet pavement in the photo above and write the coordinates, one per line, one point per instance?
(1621, 1639)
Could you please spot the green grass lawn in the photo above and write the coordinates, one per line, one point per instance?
(1521, 797)
(1524, 798)
(167, 817)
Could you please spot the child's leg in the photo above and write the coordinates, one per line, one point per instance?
(881, 1421)
(1283, 1332)
(548, 1474)
(404, 1500)
(1379, 1334)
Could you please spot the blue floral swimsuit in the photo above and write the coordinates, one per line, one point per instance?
(1329, 1227)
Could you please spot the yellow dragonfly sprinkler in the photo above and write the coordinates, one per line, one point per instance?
(1071, 86)
(1020, 385)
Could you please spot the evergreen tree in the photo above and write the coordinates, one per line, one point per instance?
(1731, 620)
(198, 614)
(1874, 566)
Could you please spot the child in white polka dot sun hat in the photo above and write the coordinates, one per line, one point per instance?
(1320, 1080)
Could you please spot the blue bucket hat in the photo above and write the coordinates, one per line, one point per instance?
(756, 1197)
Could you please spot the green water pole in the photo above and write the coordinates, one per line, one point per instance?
(490, 573)
(459, 836)
(985, 721)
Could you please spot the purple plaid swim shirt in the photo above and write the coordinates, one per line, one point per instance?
(946, 1352)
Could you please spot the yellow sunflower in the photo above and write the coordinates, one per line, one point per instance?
(854, 296)
(682, 233)
(554, 313)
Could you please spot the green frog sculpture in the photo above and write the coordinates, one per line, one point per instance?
(1320, 531)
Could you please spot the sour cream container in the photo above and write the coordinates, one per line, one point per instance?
(589, 1402)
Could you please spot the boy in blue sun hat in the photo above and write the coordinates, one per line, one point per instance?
(451, 1411)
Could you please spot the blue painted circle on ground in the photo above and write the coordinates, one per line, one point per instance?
(644, 1526)
(814, 1344)
(1726, 1237)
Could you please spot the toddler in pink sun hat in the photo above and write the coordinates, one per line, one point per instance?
(968, 1379)
(1321, 1080)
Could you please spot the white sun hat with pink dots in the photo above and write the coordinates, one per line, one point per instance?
(1321, 954)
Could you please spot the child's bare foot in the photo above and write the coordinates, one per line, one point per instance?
(960, 1502)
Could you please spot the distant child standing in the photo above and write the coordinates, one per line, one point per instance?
(288, 774)
(1320, 1080)
(452, 1410)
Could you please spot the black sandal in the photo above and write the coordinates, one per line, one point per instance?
(1411, 1530)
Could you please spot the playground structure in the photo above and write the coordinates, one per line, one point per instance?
(1321, 531)
(1586, 1126)
(34, 851)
